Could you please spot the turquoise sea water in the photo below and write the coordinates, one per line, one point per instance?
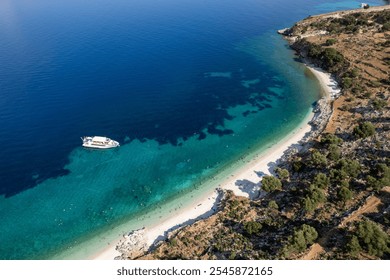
(187, 87)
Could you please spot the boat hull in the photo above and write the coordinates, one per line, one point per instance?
(99, 147)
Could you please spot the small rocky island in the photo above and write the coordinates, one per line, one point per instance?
(330, 200)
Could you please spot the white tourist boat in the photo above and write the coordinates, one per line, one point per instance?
(99, 142)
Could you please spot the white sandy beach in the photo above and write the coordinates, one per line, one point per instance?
(244, 182)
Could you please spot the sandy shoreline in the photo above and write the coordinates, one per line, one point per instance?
(244, 182)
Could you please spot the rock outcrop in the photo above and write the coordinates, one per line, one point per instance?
(132, 245)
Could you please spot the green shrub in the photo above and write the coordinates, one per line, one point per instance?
(353, 73)
(364, 129)
(329, 138)
(386, 27)
(172, 242)
(348, 20)
(367, 94)
(232, 256)
(330, 42)
(297, 165)
(333, 28)
(346, 83)
(282, 173)
(302, 238)
(353, 247)
(375, 84)
(344, 194)
(270, 183)
(383, 172)
(235, 203)
(344, 184)
(252, 227)
(272, 204)
(372, 238)
(379, 104)
(321, 181)
(383, 17)
(317, 159)
(331, 57)
(338, 175)
(373, 183)
(314, 197)
(334, 152)
(314, 51)
(309, 205)
(381, 179)
(316, 194)
(357, 89)
(350, 167)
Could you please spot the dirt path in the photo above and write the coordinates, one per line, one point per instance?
(370, 206)
(315, 250)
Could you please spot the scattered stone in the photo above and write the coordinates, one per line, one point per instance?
(132, 245)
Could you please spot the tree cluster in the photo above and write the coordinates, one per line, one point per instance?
(371, 238)
(330, 58)
(270, 183)
(379, 178)
(301, 239)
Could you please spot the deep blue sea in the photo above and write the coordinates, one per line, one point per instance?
(186, 86)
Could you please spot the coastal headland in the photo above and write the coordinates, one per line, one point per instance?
(320, 193)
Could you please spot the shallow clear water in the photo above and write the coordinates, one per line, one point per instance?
(186, 86)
